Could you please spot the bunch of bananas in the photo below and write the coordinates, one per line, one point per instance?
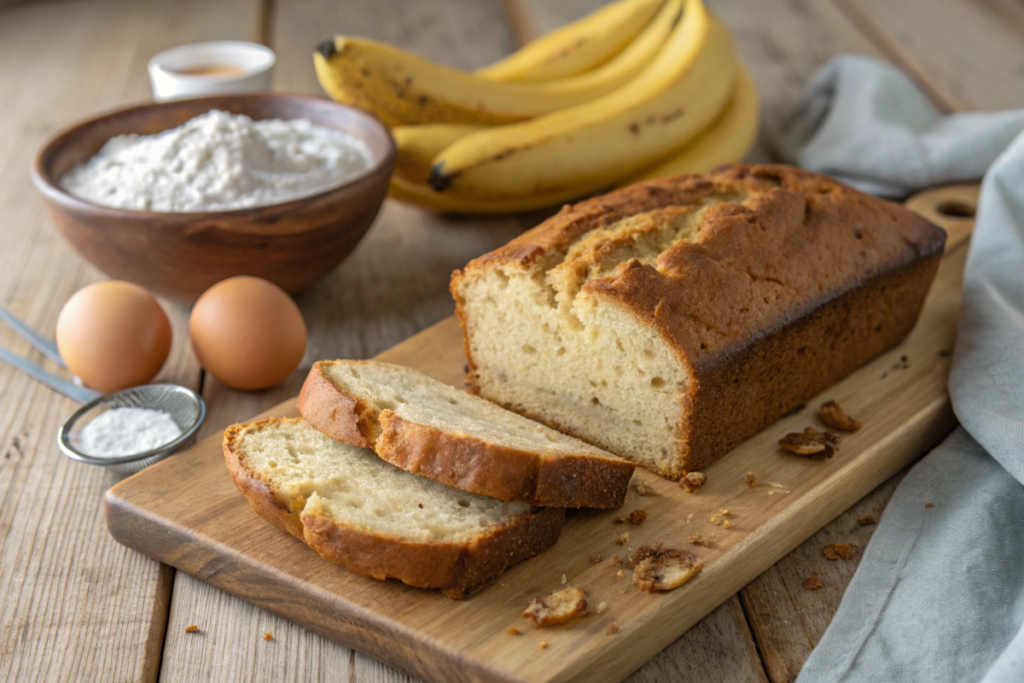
(639, 89)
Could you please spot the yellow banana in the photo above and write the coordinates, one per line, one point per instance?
(726, 141)
(406, 190)
(576, 47)
(401, 88)
(418, 145)
(590, 146)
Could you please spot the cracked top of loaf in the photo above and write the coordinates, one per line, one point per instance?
(716, 261)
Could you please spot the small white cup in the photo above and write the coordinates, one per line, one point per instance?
(252, 63)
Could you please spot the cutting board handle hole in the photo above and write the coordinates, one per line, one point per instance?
(956, 209)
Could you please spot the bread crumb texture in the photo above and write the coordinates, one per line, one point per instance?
(614, 319)
(660, 569)
(557, 608)
(812, 583)
(692, 481)
(837, 551)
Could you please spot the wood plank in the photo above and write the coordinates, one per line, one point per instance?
(77, 605)
(788, 620)
(970, 53)
(186, 512)
(394, 285)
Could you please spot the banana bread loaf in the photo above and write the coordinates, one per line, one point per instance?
(671, 320)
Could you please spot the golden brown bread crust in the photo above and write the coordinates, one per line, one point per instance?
(463, 461)
(450, 566)
(453, 567)
(255, 488)
(793, 281)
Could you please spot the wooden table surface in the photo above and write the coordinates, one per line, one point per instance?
(78, 606)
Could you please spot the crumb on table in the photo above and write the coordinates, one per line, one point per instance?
(596, 559)
(692, 482)
(662, 569)
(751, 479)
(637, 517)
(866, 520)
(929, 505)
(837, 551)
(702, 541)
(836, 417)
(623, 538)
(612, 629)
(543, 644)
(268, 636)
(513, 631)
(813, 582)
(191, 629)
(557, 608)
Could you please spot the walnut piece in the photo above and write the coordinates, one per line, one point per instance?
(557, 608)
(837, 551)
(812, 583)
(637, 517)
(692, 482)
(662, 569)
(811, 442)
(836, 417)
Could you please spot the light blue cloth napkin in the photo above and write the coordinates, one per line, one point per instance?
(939, 594)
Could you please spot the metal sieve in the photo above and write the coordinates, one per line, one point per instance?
(185, 407)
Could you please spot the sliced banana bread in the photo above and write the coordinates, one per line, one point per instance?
(376, 519)
(671, 320)
(433, 429)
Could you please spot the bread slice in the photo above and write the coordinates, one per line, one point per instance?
(355, 509)
(433, 429)
(671, 320)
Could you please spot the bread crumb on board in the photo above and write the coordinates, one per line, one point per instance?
(619, 574)
(612, 629)
(811, 443)
(726, 524)
(641, 487)
(837, 551)
(752, 479)
(513, 631)
(660, 569)
(929, 505)
(601, 607)
(836, 417)
(564, 579)
(557, 608)
(812, 582)
(866, 520)
(191, 629)
(596, 559)
(692, 482)
(637, 517)
(623, 538)
(268, 636)
(702, 541)
(720, 515)
(543, 644)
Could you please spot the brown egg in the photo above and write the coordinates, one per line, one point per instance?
(113, 335)
(247, 332)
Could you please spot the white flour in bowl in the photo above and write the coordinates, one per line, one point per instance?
(218, 161)
(127, 431)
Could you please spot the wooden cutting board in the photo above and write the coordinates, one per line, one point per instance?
(186, 512)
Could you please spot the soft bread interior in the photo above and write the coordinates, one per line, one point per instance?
(311, 474)
(418, 398)
(545, 345)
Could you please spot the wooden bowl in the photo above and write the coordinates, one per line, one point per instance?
(180, 255)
